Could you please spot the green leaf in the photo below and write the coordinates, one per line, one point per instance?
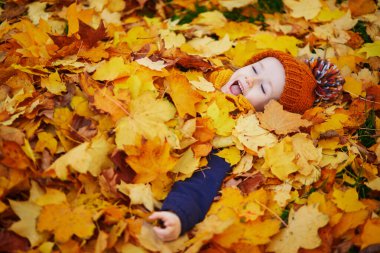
(360, 28)
(271, 6)
(367, 131)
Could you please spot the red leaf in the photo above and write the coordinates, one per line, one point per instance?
(252, 183)
(89, 35)
(11, 242)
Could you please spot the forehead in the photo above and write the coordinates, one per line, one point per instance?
(270, 62)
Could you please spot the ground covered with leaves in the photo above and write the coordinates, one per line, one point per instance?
(104, 104)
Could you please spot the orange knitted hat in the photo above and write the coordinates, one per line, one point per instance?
(298, 94)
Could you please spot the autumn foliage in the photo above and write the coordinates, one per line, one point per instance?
(105, 104)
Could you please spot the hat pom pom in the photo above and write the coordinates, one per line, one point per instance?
(329, 80)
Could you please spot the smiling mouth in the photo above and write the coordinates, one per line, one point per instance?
(236, 88)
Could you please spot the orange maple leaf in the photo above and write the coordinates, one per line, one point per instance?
(153, 161)
(183, 95)
(65, 221)
(281, 121)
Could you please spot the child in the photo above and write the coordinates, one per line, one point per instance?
(268, 75)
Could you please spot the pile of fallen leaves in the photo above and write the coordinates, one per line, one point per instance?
(105, 104)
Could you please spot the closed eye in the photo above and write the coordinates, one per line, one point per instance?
(254, 70)
(262, 88)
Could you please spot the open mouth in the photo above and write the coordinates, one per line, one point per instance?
(236, 88)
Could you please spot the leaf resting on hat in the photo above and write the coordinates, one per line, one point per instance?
(275, 118)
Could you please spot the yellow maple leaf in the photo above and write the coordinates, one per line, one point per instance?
(161, 187)
(89, 157)
(347, 200)
(205, 230)
(106, 101)
(370, 49)
(304, 8)
(138, 193)
(36, 11)
(255, 233)
(171, 39)
(66, 222)
(136, 84)
(208, 47)
(202, 84)
(184, 96)
(325, 205)
(236, 30)
(186, 164)
(280, 159)
(302, 231)
(231, 235)
(112, 69)
(138, 36)
(153, 160)
(252, 205)
(348, 221)
(283, 43)
(147, 117)
(94, 54)
(251, 135)
(333, 158)
(26, 226)
(80, 105)
(242, 52)
(72, 19)
(308, 155)
(34, 41)
(52, 196)
(148, 239)
(73, 14)
(46, 140)
(260, 232)
(275, 118)
(326, 14)
(219, 111)
(335, 122)
(210, 20)
(352, 86)
(228, 205)
(231, 155)
(370, 232)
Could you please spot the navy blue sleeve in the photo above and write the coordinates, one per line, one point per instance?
(191, 199)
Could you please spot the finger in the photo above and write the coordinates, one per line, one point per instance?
(164, 234)
(156, 216)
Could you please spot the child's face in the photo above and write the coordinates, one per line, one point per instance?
(259, 82)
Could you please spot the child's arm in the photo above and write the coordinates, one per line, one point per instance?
(191, 199)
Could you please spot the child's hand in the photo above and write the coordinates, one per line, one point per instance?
(171, 223)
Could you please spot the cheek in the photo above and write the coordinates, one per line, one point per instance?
(257, 99)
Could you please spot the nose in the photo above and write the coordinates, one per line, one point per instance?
(253, 81)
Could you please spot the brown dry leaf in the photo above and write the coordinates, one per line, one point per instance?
(275, 118)
(89, 35)
(361, 7)
(13, 156)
